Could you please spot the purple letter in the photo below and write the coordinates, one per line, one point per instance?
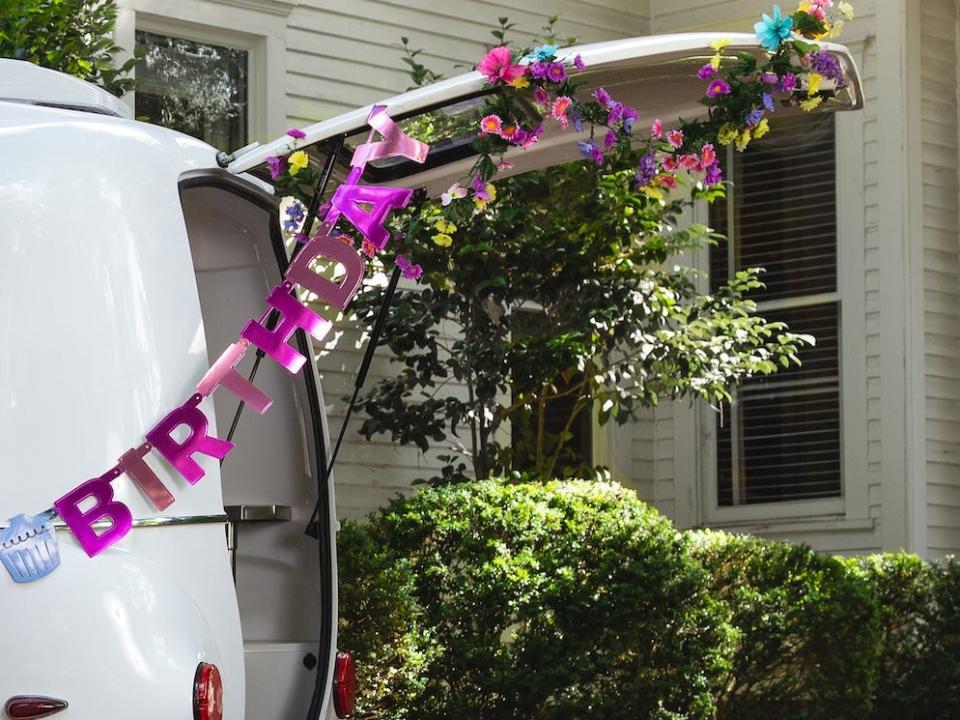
(222, 372)
(81, 522)
(179, 454)
(381, 199)
(274, 342)
(131, 462)
(329, 291)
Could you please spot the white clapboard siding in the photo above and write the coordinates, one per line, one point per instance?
(941, 271)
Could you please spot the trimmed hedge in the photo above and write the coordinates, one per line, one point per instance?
(574, 600)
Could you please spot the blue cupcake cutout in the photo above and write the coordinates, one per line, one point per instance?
(28, 548)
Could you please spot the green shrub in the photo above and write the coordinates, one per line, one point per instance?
(808, 632)
(919, 667)
(559, 600)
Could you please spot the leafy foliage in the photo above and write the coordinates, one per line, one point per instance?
(73, 36)
(559, 600)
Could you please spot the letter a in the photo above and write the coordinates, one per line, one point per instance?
(382, 199)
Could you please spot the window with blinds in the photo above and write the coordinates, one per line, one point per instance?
(780, 440)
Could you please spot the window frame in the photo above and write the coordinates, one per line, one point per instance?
(696, 467)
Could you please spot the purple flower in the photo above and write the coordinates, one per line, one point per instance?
(277, 165)
(714, 174)
(768, 102)
(578, 63)
(602, 97)
(556, 72)
(706, 72)
(753, 117)
(538, 71)
(615, 114)
(646, 170)
(296, 133)
(827, 65)
(585, 148)
(788, 83)
(541, 96)
(609, 140)
(629, 116)
(577, 122)
(770, 78)
(479, 188)
(409, 270)
(718, 87)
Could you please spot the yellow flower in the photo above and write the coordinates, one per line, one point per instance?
(715, 61)
(442, 239)
(761, 129)
(719, 45)
(445, 227)
(813, 83)
(491, 191)
(519, 82)
(743, 140)
(651, 191)
(846, 9)
(727, 134)
(810, 103)
(836, 29)
(298, 161)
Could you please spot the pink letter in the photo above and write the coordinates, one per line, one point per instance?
(334, 249)
(222, 372)
(274, 342)
(131, 462)
(179, 454)
(81, 522)
(394, 142)
(382, 200)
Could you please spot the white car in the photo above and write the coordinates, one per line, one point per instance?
(130, 257)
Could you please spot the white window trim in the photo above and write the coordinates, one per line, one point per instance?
(695, 467)
(261, 31)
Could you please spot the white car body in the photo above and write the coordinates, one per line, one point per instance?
(128, 260)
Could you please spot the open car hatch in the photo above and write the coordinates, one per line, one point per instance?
(657, 75)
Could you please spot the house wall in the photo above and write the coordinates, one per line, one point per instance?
(312, 60)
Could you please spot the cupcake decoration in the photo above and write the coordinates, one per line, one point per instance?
(28, 548)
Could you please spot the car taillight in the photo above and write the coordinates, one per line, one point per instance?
(33, 706)
(344, 684)
(207, 693)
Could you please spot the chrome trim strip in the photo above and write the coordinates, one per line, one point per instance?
(154, 521)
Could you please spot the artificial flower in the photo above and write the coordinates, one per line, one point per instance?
(743, 139)
(531, 137)
(504, 165)
(836, 29)
(646, 170)
(368, 248)
(718, 87)
(544, 52)
(442, 239)
(770, 78)
(768, 103)
(298, 161)
(296, 133)
(656, 129)
(538, 70)
(615, 113)
(668, 181)
(579, 64)
(670, 163)
(715, 61)
(559, 110)
(812, 102)
(753, 117)
(813, 83)
(454, 192)
(629, 115)
(708, 155)
(826, 64)
(445, 226)
(727, 134)
(814, 9)
(788, 82)
(675, 138)
(541, 96)
(688, 161)
(762, 128)
(706, 72)
(846, 9)
(609, 140)
(556, 72)
(491, 124)
(714, 174)
(773, 30)
(602, 97)
(720, 45)
(496, 66)
(520, 82)
(409, 270)
(277, 165)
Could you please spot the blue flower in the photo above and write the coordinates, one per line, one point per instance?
(754, 116)
(585, 148)
(543, 53)
(768, 102)
(773, 30)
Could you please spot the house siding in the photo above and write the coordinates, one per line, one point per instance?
(941, 271)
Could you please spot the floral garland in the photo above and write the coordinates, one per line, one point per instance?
(740, 94)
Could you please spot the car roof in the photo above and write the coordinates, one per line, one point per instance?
(656, 75)
(24, 82)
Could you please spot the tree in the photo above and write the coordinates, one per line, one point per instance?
(72, 36)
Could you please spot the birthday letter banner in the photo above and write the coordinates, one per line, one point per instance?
(28, 547)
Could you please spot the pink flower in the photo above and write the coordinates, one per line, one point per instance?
(770, 78)
(670, 163)
(556, 73)
(708, 156)
(504, 165)
(541, 96)
(409, 270)
(688, 161)
(718, 87)
(532, 137)
(491, 124)
(609, 140)
(579, 64)
(277, 165)
(706, 72)
(675, 138)
(559, 110)
(368, 248)
(496, 66)
(296, 133)
(788, 83)
(668, 181)
(656, 129)
(602, 97)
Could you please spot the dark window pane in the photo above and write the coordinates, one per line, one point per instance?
(196, 88)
